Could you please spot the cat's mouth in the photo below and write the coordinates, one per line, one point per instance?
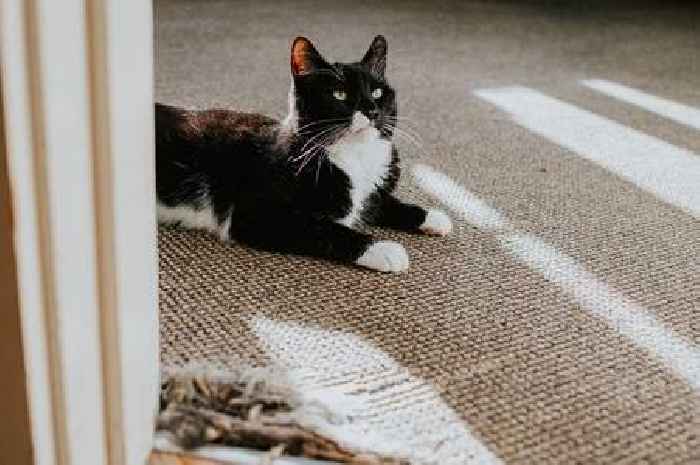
(365, 131)
(361, 123)
(358, 129)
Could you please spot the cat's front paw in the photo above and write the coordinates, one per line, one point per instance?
(385, 256)
(436, 223)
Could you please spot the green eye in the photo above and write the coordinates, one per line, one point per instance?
(377, 93)
(340, 94)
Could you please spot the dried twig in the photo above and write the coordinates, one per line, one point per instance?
(253, 414)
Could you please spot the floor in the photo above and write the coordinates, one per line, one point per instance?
(164, 458)
(560, 322)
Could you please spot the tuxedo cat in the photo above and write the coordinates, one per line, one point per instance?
(301, 185)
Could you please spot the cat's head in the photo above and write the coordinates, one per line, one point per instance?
(351, 96)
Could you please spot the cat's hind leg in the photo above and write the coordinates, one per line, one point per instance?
(296, 233)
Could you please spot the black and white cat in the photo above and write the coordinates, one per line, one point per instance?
(301, 185)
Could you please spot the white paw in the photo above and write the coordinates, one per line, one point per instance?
(436, 223)
(386, 256)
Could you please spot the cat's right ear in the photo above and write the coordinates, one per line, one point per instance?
(305, 58)
(375, 58)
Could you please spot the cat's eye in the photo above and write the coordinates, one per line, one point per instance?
(340, 94)
(377, 93)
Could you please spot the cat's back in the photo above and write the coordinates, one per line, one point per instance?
(214, 152)
(197, 127)
(221, 145)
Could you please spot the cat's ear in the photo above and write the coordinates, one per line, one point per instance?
(375, 58)
(305, 58)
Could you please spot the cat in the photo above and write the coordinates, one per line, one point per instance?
(302, 185)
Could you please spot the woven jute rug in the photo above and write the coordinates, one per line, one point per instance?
(468, 358)
(476, 355)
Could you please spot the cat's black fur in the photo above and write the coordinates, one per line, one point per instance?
(246, 169)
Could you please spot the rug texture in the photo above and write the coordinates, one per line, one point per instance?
(569, 336)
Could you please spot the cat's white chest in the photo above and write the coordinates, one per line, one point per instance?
(365, 158)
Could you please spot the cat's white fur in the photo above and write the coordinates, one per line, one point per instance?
(436, 223)
(364, 157)
(195, 218)
(386, 256)
(290, 123)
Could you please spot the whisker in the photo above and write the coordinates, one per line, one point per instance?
(339, 133)
(410, 139)
(319, 122)
(312, 139)
(326, 136)
(321, 135)
(415, 137)
(407, 122)
(405, 134)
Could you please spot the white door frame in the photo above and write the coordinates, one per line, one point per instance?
(77, 82)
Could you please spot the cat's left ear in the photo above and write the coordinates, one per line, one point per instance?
(375, 58)
(305, 58)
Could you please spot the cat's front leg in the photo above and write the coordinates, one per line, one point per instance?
(395, 214)
(298, 233)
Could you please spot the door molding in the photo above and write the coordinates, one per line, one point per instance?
(77, 80)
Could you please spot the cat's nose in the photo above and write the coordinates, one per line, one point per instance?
(373, 114)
